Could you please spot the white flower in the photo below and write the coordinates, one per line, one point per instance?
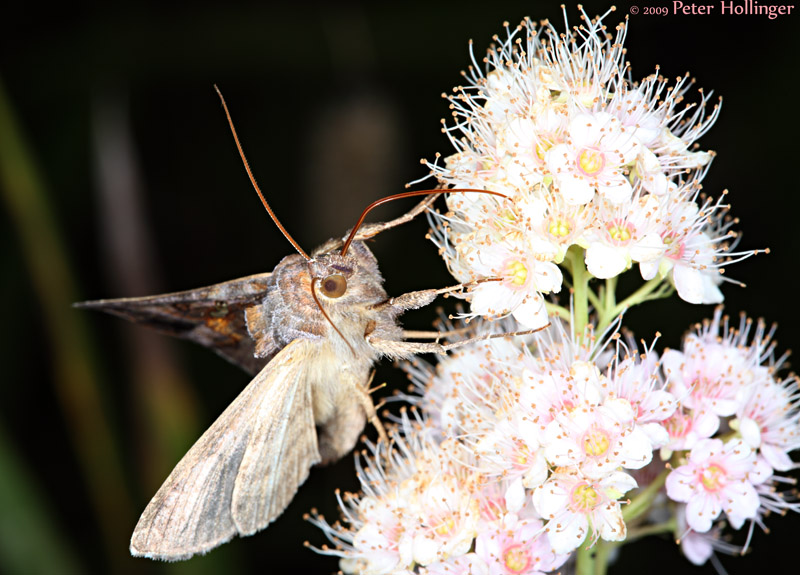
(509, 448)
(551, 225)
(514, 284)
(417, 506)
(639, 112)
(629, 235)
(697, 248)
(587, 158)
(572, 505)
(594, 158)
(446, 520)
(380, 540)
(527, 139)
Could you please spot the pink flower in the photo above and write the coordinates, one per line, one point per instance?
(597, 438)
(687, 428)
(769, 420)
(517, 547)
(699, 547)
(718, 477)
(636, 379)
(708, 377)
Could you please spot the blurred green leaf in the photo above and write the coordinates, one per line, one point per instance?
(29, 539)
(75, 379)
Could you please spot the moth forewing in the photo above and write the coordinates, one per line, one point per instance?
(212, 316)
(242, 472)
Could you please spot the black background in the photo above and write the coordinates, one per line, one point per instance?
(335, 105)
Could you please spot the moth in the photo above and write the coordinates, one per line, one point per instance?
(310, 333)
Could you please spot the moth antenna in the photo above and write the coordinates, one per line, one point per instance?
(255, 185)
(324, 313)
(391, 198)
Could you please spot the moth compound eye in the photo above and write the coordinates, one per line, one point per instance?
(334, 286)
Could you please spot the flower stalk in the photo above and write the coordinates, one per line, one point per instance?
(580, 290)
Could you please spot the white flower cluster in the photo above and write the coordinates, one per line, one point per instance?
(586, 158)
(522, 457)
(526, 451)
(425, 510)
(738, 424)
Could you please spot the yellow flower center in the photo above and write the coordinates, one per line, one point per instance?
(619, 233)
(591, 162)
(584, 497)
(675, 248)
(713, 477)
(517, 272)
(506, 216)
(559, 227)
(678, 425)
(595, 442)
(516, 559)
(542, 147)
(446, 526)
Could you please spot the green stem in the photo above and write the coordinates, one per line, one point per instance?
(637, 297)
(655, 529)
(610, 300)
(585, 560)
(555, 309)
(594, 299)
(592, 559)
(580, 290)
(603, 550)
(641, 502)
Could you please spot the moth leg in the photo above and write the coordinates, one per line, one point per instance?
(404, 349)
(437, 335)
(372, 414)
(417, 299)
(456, 344)
(364, 398)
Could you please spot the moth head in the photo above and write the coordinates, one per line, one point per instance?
(336, 276)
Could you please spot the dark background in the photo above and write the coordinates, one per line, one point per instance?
(127, 183)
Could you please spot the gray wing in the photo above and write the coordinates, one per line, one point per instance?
(244, 470)
(212, 316)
